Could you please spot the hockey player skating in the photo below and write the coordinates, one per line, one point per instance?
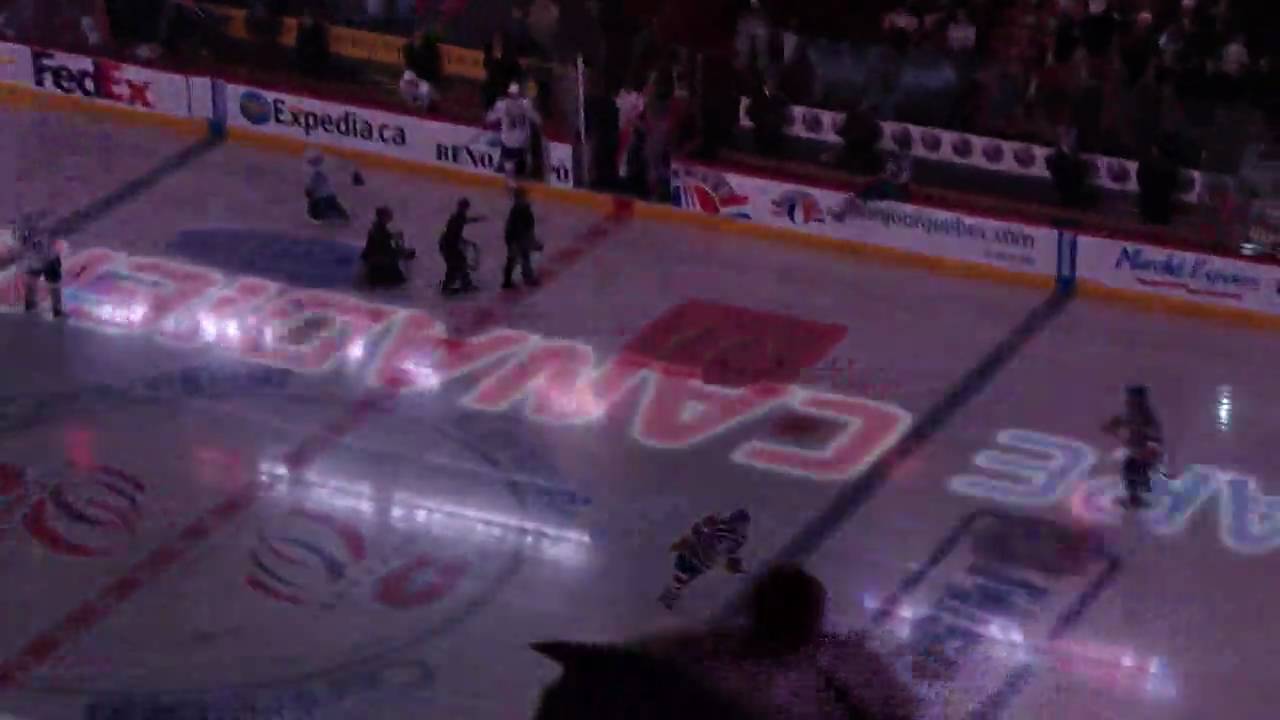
(323, 206)
(38, 256)
(515, 116)
(384, 250)
(522, 242)
(1139, 431)
(712, 540)
(457, 273)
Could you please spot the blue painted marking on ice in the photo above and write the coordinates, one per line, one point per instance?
(300, 261)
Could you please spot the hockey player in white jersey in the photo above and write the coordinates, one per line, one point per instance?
(38, 256)
(323, 206)
(515, 116)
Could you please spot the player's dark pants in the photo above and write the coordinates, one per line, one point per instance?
(514, 161)
(519, 253)
(457, 275)
(384, 271)
(1137, 477)
(327, 209)
(52, 274)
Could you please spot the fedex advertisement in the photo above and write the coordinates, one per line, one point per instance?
(109, 82)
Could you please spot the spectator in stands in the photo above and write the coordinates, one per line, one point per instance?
(544, 23)
(1157, 182)
(1069, 172)
(1139, 47)
(602, 131)
(900, 27)
(1066, 31)
(751, 38)
(1098, 31)
(265, 20)
(312, 44)
(768, 113)
(517, 36)
(861, 134)
(416, 92)
(962, 36)
(720, 106)
(661, 117)
(501, 68)
(1232, 67)
(422, 55)
(185, 27)
(894, 183)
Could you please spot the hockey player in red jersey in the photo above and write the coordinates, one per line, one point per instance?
(713, 539)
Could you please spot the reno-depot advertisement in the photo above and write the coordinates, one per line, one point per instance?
(1207, 279)
(108, 82)
(398, 136)
(937, 233)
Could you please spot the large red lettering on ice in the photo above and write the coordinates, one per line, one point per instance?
(306, 330)
(870, 428)
(170, 287)
(76, 270)
(135, 294)
(679, 411)
(561, 382)
(223, 318)
(420, 356)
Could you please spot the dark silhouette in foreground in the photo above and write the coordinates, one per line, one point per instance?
(779, 666)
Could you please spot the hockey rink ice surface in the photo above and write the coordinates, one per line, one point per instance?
(233, 484)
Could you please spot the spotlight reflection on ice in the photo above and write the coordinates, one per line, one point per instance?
(1224, 407)
(408, 511)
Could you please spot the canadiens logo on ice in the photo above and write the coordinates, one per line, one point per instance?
(800, 207)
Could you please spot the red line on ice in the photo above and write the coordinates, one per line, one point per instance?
(45, 646)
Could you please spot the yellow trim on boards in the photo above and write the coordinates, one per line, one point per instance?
(25, 98)
(1151, 302)
(21, 96)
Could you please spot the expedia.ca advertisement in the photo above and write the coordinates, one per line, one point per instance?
(409, 138)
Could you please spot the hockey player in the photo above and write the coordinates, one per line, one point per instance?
(322, 202)
(522, 241)
(712, 539)
(1143, 440)
(457, 276)
(514, 114)
(38, 256)
(383, 251)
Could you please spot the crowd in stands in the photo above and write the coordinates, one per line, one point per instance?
(1122, 73)
(1154, 80)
